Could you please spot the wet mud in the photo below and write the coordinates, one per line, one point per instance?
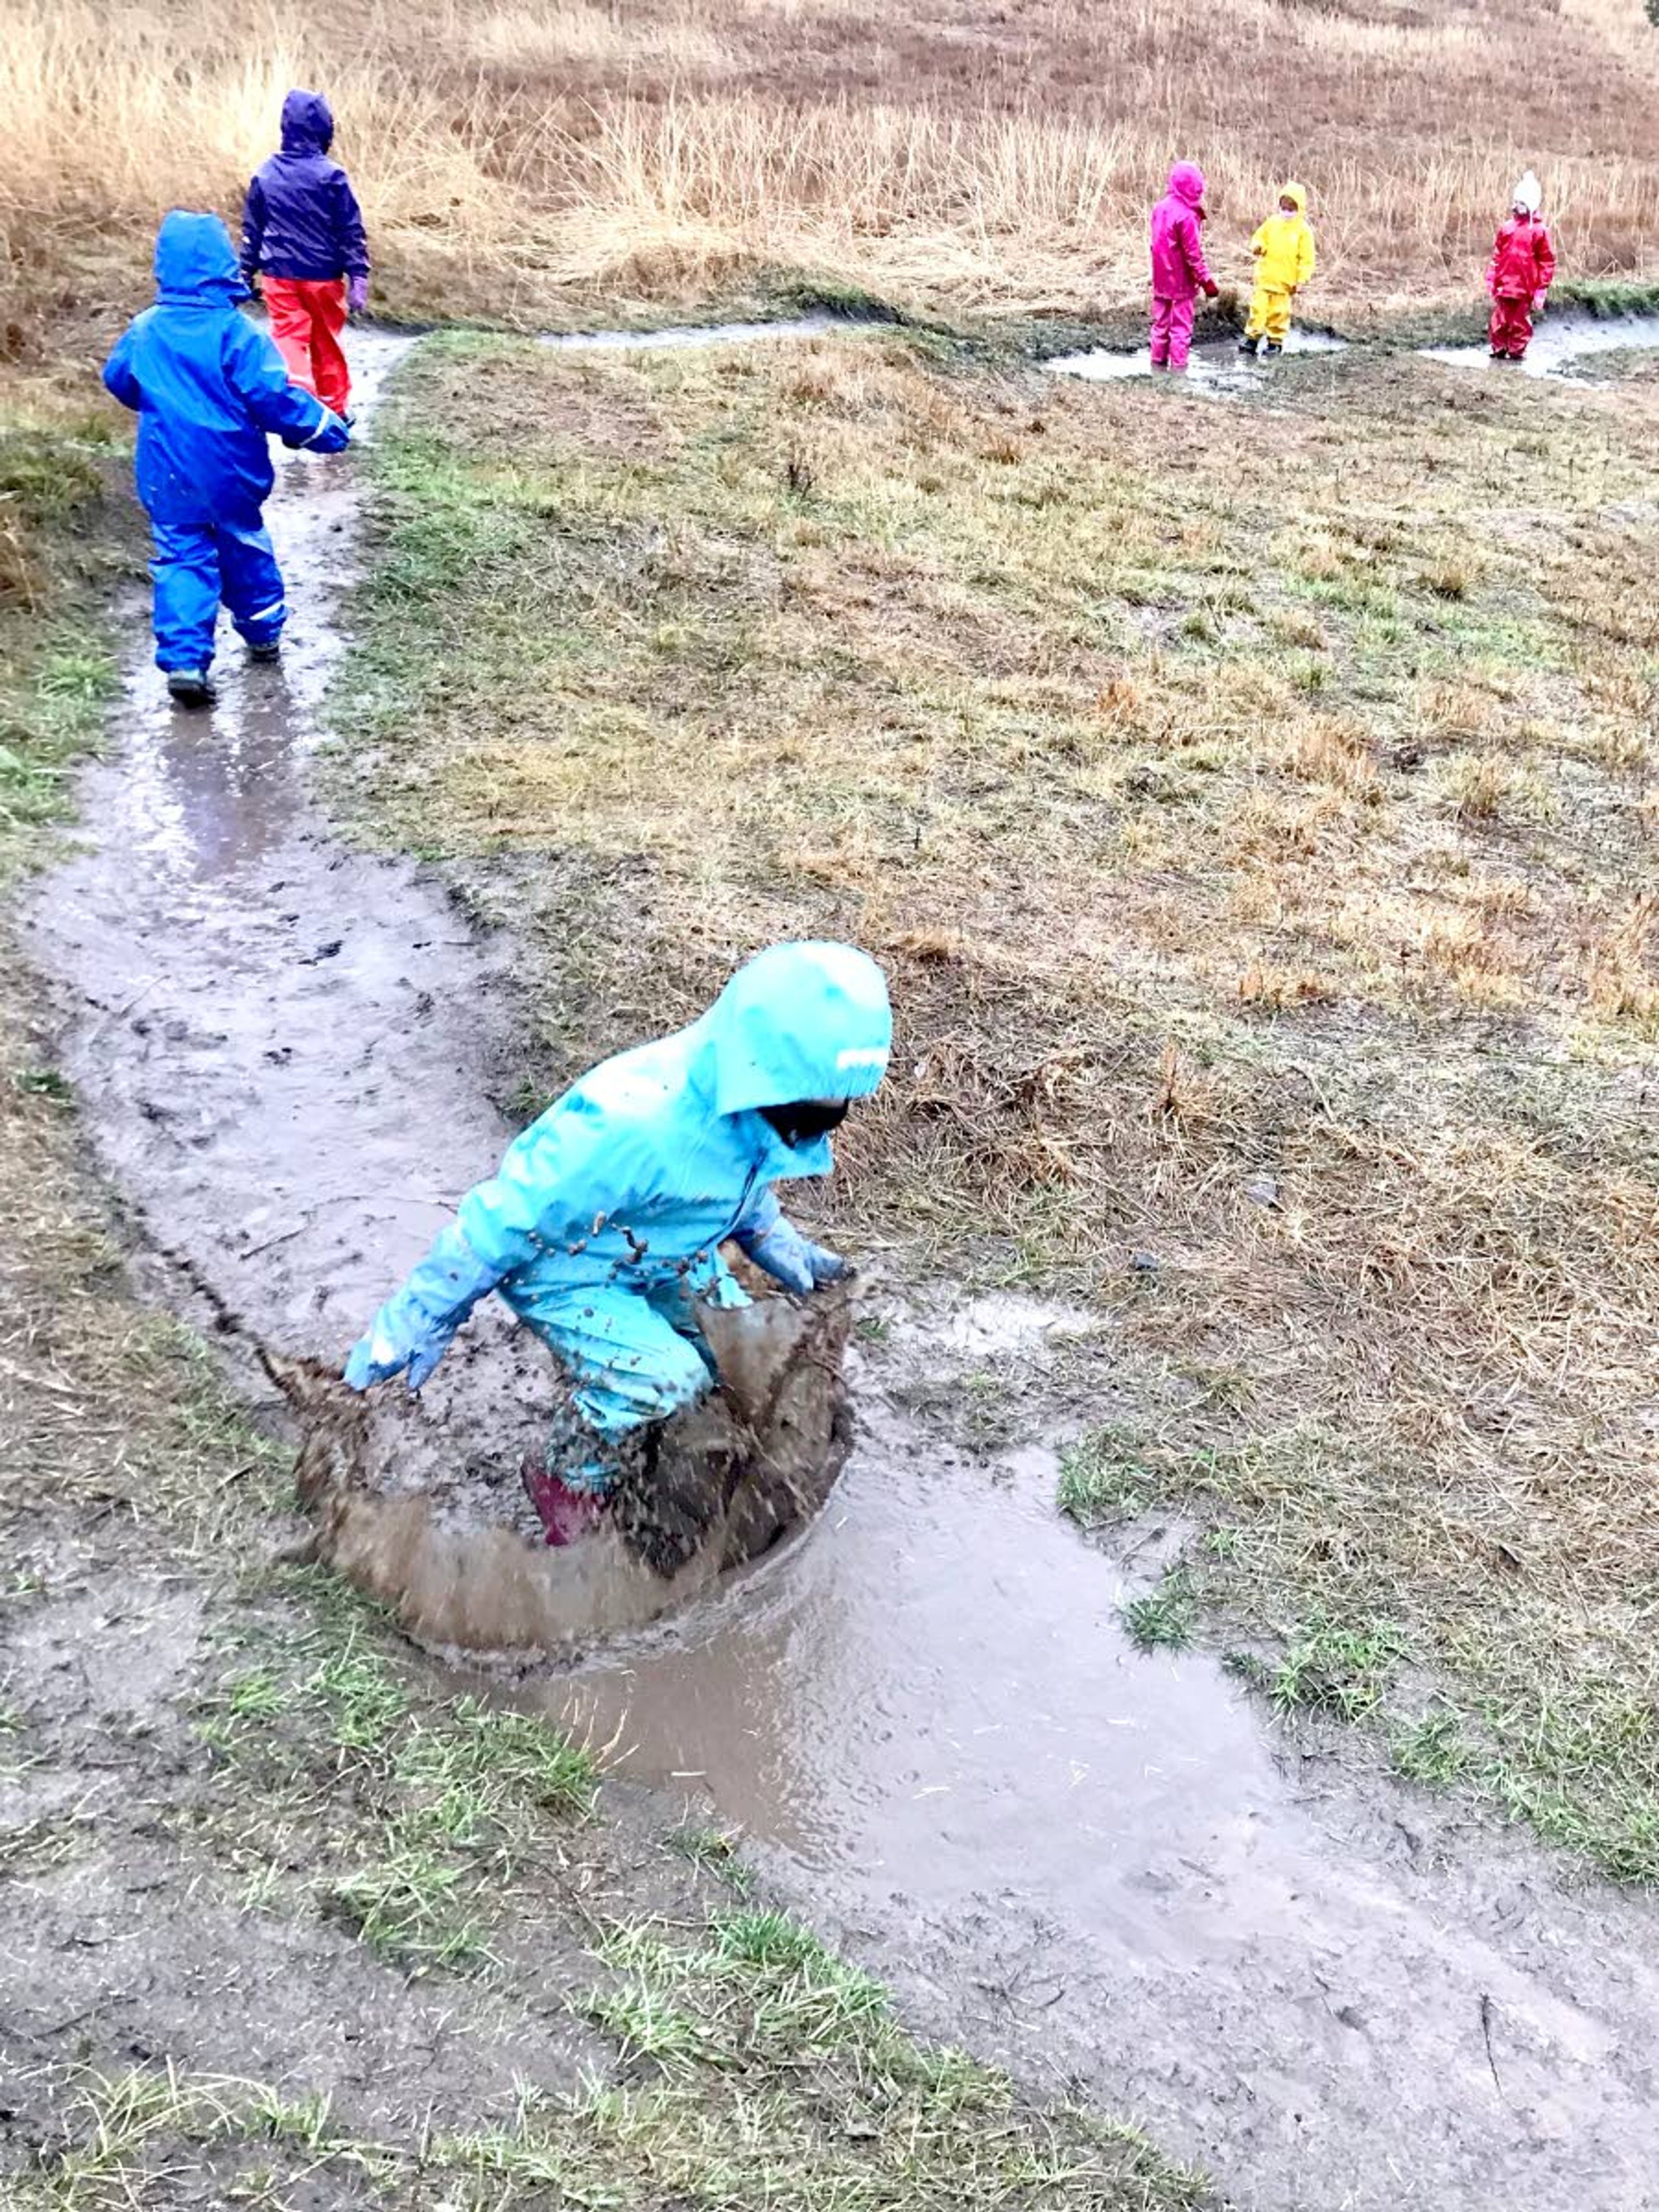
(1102, 1867)
(416, 1500)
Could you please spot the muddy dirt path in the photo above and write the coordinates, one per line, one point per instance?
(277, 1039)
(1100, 1866)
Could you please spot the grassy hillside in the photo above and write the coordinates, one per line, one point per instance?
(567, 155)
(1256, 806)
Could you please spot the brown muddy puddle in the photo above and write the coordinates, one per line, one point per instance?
(1105, 1868)
(1102, 1867)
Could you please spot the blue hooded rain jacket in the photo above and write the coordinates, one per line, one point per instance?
(628, 1184)
(208, 387)
(301, 218)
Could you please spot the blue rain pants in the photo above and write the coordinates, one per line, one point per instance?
(632, 1358)
(197, 565)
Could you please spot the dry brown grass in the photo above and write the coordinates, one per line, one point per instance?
(1161, 912)
(517, 158)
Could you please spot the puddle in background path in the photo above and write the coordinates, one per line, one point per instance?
(798, 326)
(1557, 342)
(1214, 368)
(1097, 1864)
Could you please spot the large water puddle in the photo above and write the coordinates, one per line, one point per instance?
(1102, 1867)
(1559, 342)
(1218, 369)
(815, 326)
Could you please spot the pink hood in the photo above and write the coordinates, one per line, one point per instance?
(1186, 183)
(1178, 268)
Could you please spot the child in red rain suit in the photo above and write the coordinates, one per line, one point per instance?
(1179, 274)
(1520, 273)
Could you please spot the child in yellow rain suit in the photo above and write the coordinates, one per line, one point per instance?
(1284, 251)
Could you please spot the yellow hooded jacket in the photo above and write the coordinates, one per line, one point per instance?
(1284, 246)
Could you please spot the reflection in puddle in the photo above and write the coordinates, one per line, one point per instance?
(1217, 368)
(1557, 342)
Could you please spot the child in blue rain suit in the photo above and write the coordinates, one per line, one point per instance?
(209, 389)
(602, 1226)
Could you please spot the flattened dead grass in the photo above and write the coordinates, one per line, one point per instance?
(1011, 681)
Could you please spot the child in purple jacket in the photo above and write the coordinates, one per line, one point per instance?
(1179, 273)
(303, 246)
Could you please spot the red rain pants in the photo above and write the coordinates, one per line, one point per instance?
(1172, 330)
(1511, 329)
(307, 318)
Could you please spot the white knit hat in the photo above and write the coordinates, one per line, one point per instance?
(1528, 194)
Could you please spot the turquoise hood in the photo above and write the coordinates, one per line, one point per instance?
(643, 1169)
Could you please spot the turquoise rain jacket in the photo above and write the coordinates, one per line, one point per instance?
(632, 1180)
(641, 1171)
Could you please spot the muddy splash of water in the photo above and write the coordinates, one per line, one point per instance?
(415, 1499)
(1098, 1866)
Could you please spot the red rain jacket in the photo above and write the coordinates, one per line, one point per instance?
(1522, 260)
(1178, 268)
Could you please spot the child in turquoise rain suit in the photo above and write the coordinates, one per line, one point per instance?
(602, 1228)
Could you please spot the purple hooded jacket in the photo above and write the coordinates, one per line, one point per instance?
(301, 218)
(1178, 266)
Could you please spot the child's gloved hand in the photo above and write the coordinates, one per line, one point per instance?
(793, 1260)
(776, 1245)
(1540, 301)
(356, 295)
(1211, 290)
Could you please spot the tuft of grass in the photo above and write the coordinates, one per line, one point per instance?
(1101, 1478)
(716, 1850)
(1331, 1668)
(1163, 1619)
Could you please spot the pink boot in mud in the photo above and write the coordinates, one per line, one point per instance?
(567, 1514)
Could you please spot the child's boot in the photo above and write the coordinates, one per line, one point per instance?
(1269, 347)
(190, 687)
(567, 1514)
(270, 649)
(1248, 344)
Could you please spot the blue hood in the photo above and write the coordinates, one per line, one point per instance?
(799, 1021)
(194, 260)
(308, 123)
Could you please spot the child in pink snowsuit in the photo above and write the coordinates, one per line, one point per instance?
(1179, 274)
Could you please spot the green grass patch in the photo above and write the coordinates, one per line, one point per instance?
(1164, 1618)
(753, 2068)
(439, 1805)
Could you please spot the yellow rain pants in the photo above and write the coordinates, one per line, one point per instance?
(1284, 251)
(1270, 315)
